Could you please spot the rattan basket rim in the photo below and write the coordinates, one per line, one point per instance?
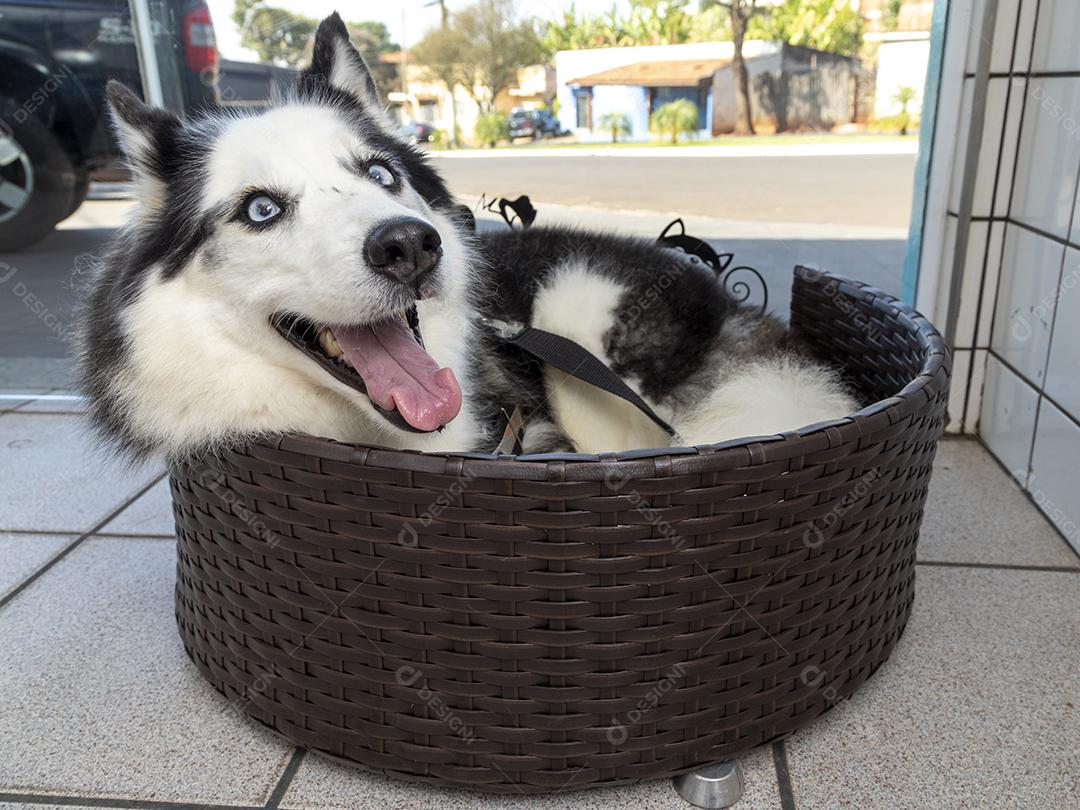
(925, 386)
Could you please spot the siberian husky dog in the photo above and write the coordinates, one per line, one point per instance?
(303, 269)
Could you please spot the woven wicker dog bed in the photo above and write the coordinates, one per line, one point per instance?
(542, 623)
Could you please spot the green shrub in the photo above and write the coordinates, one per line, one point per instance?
(904, 121)
(899, 124)
(617, 124)
(491, 128)
(679, 117)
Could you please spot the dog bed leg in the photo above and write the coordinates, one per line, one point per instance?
(711, 787)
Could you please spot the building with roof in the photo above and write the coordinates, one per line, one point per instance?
(791, 87)
(426, 100)
(635, 81)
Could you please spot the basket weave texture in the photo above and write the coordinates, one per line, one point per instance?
(543, 623)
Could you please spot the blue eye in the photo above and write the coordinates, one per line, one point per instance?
(380, 174)
(262, 209)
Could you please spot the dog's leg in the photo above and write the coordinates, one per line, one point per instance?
(543, 436)
(580, 305)
(761, 397)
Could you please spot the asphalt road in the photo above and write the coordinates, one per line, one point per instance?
(843, 190)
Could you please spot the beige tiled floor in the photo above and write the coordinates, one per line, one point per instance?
(100, 706)
(149, 515)
(55, 478)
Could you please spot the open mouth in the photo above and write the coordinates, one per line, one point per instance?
(386, 361)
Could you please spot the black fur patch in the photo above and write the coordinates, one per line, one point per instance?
(329, 36)
(663, 324)
(168, 236)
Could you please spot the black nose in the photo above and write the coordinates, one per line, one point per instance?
(404, 249)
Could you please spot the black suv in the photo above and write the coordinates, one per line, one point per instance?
(534, 124)
(55, 59)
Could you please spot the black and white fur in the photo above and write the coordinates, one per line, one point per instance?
(178, 354)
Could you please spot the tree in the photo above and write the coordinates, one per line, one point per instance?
(647, 22)
(372, 39)
(281, 36)
(275, 34)
(496, 47)
(483, 49)
(679, 117)
(572, 32)
(827, 25)
(441, 53)
(905, 95)
(741, 12)
(616, 123)
(890, 15)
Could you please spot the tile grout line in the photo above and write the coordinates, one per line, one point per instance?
(68, 533)
(30, 580)
(123, 804)
(1063, 569)
(133, 536)
(783, 775)
(286, 779)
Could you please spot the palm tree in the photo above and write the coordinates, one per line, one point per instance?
(679, 117)
(617, 123)
(904, 96)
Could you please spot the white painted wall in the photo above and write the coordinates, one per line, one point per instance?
(900, 64)
(633, 101)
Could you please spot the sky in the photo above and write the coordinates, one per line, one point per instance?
(407, 20)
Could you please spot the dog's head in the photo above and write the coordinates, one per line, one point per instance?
(320, 240)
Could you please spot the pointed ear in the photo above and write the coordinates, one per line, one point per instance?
(340, 65)
(143, 130)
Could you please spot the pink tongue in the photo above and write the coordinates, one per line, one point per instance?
(399, 374)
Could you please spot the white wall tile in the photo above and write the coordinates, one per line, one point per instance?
(961, 369)
(1056, 35)
(1025, 28)
(1052, 482)
(1049, 155)
(975, 391)
(994, 122)
(957, 180)
(1063, 372)
(1004, 32)
(1007, 423)
(977, 7)
(990, 284)
(948, 250)
(1026, 295)
(1074, 235)
(972, 284)
(1010, 137)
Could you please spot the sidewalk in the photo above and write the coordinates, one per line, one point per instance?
(750, 150)
(101, 707)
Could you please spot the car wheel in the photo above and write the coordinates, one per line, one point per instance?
(37, 179)
(78, 193)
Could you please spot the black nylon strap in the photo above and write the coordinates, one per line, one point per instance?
(577, 361)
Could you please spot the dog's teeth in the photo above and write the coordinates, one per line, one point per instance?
(329, 343)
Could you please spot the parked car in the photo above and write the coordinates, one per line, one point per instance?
(534, 124)
(55, 60)
(415, 132)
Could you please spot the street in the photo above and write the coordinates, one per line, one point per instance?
(848, 214)
(845, 190)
